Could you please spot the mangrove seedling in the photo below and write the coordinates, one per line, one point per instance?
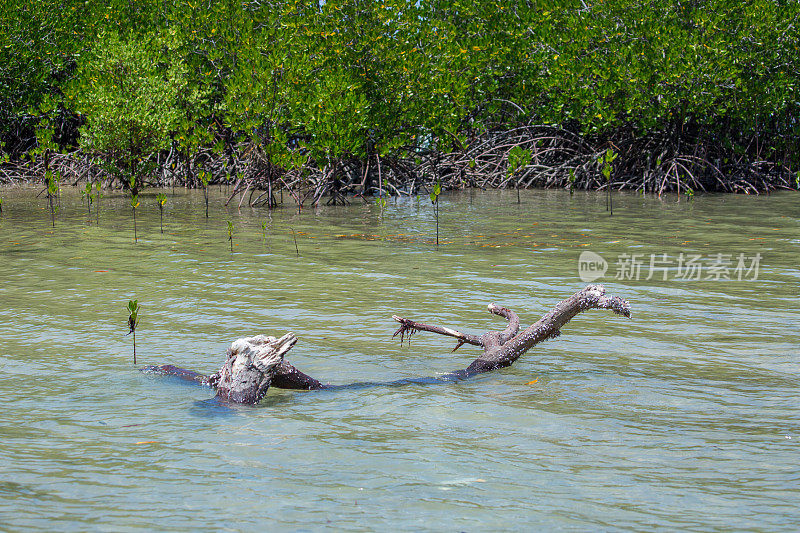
(230, 234)
(134, 205)
(133, 321)
(689, 193)
(87, 193)
(296, 249)
(1, 206)
(605, 160)
(264, 233)
(571, 181)
(205, 178)
(380, 201)
(161, 198)
(437, 190)
(52, 193)
(518, 159)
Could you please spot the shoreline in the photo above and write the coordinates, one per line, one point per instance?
(255, 183)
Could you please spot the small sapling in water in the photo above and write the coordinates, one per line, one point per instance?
(264, 234)
(133, 321)
(518, 159)
(380, 201)
(437, 190)
(134, 205)
(230, 234)
(571, 181)
(161, 198)
(52, 194)
(87, 193)
(296, 249)
(205, 179)
(605, 160)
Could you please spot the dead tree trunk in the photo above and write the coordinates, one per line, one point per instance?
(255, 363)
(250, 366)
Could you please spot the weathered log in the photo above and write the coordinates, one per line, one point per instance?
(249, 368)
(255, 363)
(288, 377)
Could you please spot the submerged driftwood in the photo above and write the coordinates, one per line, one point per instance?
(255, 363)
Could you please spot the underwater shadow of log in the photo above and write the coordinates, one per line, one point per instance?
(254, 364)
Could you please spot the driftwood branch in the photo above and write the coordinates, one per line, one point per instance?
(513, 322)
(502, 348)
(548, 327)
(409, 327)
(288, 377)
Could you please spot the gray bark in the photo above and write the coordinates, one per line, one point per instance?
(502, 348)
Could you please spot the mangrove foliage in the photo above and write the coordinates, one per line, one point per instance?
(338, 98)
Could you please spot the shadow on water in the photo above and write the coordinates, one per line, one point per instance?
(214, 406)
(13, 489)
(444, 379)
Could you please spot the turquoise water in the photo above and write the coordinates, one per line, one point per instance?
(684, 417)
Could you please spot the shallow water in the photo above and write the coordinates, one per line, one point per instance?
(684, 417)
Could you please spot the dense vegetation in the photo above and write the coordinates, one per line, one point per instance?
(383, 97)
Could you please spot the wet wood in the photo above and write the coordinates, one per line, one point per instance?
(502, 348)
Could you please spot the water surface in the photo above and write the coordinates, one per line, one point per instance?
(684, 417)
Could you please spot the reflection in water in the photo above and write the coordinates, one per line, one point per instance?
(683, 418)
